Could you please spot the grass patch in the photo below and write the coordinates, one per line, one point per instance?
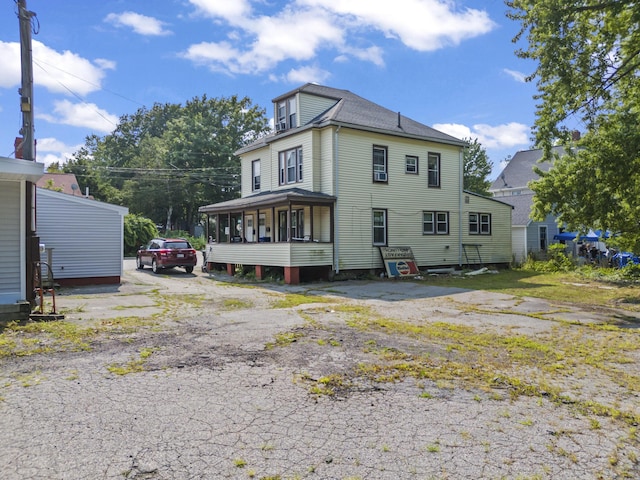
(291, 300)
(134, 365)
(284, 339)
(235, 304)
(572, 287)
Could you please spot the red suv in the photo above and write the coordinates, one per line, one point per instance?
(167, 253)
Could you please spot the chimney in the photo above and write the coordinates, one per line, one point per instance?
(399, 123)
(17, 147)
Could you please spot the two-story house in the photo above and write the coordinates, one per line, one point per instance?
(528, 237)
(342, 176)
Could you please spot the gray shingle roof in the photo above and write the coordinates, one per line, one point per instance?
(353, 111)
(521, 208)
(519, 170)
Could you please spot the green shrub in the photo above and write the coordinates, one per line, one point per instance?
(138, 230)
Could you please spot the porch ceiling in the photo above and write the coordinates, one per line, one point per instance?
(277, 198)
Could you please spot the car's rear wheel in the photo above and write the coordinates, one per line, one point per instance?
(154, 266)
(139, 264)
(189, 269)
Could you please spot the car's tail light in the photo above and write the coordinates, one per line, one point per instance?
(164, 253)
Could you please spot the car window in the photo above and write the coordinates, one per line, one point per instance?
(177, 245)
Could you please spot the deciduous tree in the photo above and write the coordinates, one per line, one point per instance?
(167, 161)
(477, 168)
(587, 55)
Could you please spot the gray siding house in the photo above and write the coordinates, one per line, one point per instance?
(528, 236)
(341, 177)
(15, 273)
(83, 238)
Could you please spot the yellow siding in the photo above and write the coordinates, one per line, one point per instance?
(265, 171)
(405, 197)
(310, 106)
(496, 248)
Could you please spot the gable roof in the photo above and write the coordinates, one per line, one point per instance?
(62, 182)
(519, 170)
(353, 111)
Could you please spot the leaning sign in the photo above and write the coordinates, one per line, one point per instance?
(399, 261)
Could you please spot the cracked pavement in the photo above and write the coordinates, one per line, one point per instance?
(217, 398)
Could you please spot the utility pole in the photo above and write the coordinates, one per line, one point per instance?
(26, 91)
(28, 149)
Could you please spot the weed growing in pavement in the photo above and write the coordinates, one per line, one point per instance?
(240, 462)
(235, 304)
(290, 300)
(134, 365)
(30, 379)
(284, 339)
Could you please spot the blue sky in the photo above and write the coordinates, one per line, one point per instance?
(449, 64)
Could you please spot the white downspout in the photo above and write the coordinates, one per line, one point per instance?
(461, 192)
(336, 226)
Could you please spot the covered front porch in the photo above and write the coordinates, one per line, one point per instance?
(292, 229)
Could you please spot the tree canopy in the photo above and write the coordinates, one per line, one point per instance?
(587, 54)
(166, 161)
(476, 168)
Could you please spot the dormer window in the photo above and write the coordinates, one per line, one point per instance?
(286, 114)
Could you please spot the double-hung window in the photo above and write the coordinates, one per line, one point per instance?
(290, 166)
(286, 114)
(411, 164)
(433, 169)
(379, 164)
(479, 224)
(379, 227)
(255, 175)
(435, 223)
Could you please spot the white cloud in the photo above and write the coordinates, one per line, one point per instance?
(307, 75)
(55, 151)
(423, 25)
(491, 137)
(140, 24)
(234, 11)
(296, 35)
(517, 76)
(64, 72)
(258, 43)
(84, 115)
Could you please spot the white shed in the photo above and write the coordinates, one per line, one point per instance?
(14, 284)
(85, 238)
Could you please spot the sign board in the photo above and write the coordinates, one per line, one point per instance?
(399, 261)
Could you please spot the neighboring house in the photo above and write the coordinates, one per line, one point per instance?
(62, 182)
(16, 270)
(528, 236)
(83, 238)
(341, 177)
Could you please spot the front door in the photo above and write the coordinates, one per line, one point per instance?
(249, 233)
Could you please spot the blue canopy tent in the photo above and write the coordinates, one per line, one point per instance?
(590, 236)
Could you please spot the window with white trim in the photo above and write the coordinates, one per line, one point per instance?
(380, 172)
(435, 223)
(290, 166)
(379, 230)
(479, 223)
(286, 114)
(411, 164)
(433, 169)
(255, 175)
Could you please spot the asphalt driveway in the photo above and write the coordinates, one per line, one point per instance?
(193, 376)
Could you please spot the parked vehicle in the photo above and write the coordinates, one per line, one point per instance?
(163, 253)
